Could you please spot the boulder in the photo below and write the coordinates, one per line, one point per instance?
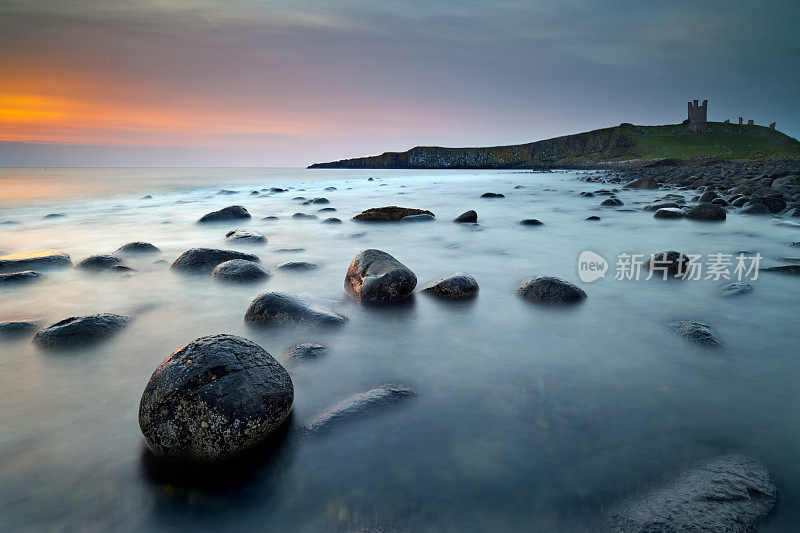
(326, 210)
(755, 209)
(376, 277)
(492, 195)
(213, 399)
(467, 216)
(319, 201)
(671, 262)
(34, 260)
(16, 328)
(660, 205)
(306, 350)
(704, 211)
(593, 217)
(669, 212)
(297, 266)
(784, 269)
(358, 405)
(728, 493)
(137, 247)
(304, 216)
(530, 222)
(332, 220)
(246, 236)
(707, 197)
(775, 205)
(391, 213)
(232, 212)
(204, 260)
(611, 202)
(99, 262)
(239, 270)
(279, 309)
(549, 289)
(19, 277)
(696, 332)
(456, 286)
(424, 217)
(77, 330)
(642, 183)
(735, 288)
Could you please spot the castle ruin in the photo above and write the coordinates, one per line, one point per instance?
(698, 116)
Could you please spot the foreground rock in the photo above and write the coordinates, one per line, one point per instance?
(358, 405)
(696, 332)
(728, 493)
(457, 286)
(232, 212)
(138, 247)
(391, 213)
(79, 330)
(16, 328)
(33, 261)
(306, 350)
(670, 262)
(99, 263)
(281, 309)
(376, 277)
(25, 276)
(205, 259)
(247, 236)
(213, 399)
(705, 211)
(548, 289)
(239, 270)
(467, 217)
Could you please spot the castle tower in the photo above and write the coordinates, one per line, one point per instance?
(697, 120)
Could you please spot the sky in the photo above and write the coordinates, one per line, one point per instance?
(272, 83)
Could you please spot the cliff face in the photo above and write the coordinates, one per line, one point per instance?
(622, 142)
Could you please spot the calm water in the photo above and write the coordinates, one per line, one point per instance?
(527, 418)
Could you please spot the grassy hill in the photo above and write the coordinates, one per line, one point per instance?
(618, 143)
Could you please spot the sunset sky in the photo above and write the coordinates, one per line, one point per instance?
(174, 82)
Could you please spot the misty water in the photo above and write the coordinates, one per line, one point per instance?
(527, 417)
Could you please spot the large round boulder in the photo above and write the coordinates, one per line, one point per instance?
(280, 309)
(205, 259)
(390, 213)
(213, 399)
(137, 247)
(669, 212)
(34, 260)
(467, 217)
(77, 330)
(549, 289)
(239, 270)
(98, 263)
(457, 286)
(232, 212)
(246, 236)
(376, 277)
(706, 212)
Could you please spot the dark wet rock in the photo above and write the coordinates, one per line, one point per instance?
(239, 270)
(706, 212)
(99, 262)
(299, 198)
(531, 222)
(697, 332)
(297, 266)
(775, 205)
(137, 247)
(456, 286)
(306, 350)
(669, 212)
(549, 289)
(735, 288)
(358, 405)
(331, 188)
(226, 192)
(642, 183)
(279, 309)
(326, 210)
(587, 194)
(332, 220)
(755, 209)
(739, 202)
(784, 269)
(660, 205)
(34, 260)
(270, 217)
(213, 399)
(728, 493)
(233, 212)
(492, 195)
(611, 202)
(707, 196)
(722, 202)
(247, 236)
(376, 277)
(79, 330)
(277, 190)
(467, 216)
(356, 235)
(593, 217)
(304, 216)
(17, 328)
(391, 213)
(519, 186)
(290, 250)
(205, 259)
(146, 197)
(319, 201)
(671, 262)
(254, 193)
(418, 218)
(370, 179)
(50, 216)
(25, 276)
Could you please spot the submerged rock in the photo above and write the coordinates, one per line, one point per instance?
(137, 247)
(549, 289)
(775, 205)
(247, 236)
(671, 262)
(697, 332)
(418, 218)
(391, 213)
(332, 220)
(240, 270)
(456, 286)
(34, 260)
(706, 212)
(232, 212)
(16, 328)
(77, 330)
(467, 216)
(296, 266)
(755, 209)
(611, 202)
(279, 309)
(213, 399)
(358, 405)
(493, 195)
(530, 222)
(593, 217)
(784, 269)
(735, 288)
(25, 276)
(642, 183)
(669, 212)
(376, 277)
(306, 350)
(99, 263)
(205, 259)
(728, 493)
(304, 216)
